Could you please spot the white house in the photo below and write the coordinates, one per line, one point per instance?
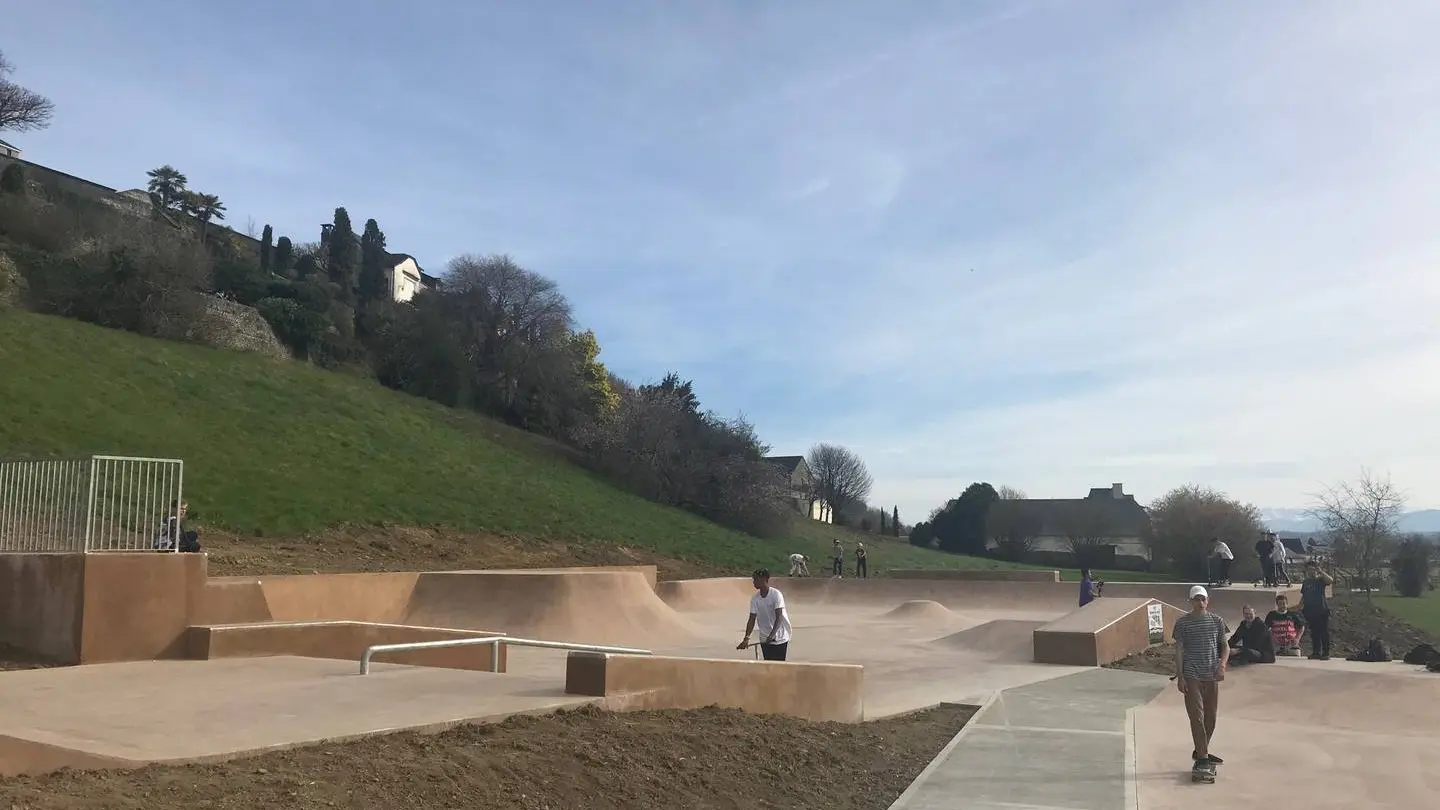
(801, 490)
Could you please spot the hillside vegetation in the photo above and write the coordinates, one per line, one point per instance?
(277, 449)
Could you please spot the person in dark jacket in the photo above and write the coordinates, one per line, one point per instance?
(1251, 642)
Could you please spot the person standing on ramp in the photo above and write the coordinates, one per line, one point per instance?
(862, 566)
(1201, 656)
(768, 615)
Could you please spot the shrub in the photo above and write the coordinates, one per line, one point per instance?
(1411, 565)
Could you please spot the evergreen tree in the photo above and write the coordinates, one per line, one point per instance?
(343, 261)
(266, 248)
(895, 521)
(882, 522)
(12, 180)
(283, 260)
(374, 282)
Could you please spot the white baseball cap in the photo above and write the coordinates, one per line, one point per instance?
(1199, 591)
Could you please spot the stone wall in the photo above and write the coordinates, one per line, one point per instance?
(11, 283)
(226, 324)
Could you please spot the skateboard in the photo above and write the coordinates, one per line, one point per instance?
(1203, 773)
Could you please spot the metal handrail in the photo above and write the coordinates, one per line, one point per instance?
(494, 641)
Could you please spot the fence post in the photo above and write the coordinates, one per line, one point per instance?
(90, 506)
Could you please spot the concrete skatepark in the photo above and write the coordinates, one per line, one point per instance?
(178, 666)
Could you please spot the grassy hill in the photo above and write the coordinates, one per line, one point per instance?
(291, 468)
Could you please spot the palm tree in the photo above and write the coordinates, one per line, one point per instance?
(167, 186)
(206, 207)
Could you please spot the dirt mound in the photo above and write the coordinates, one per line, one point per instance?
(585, 758)
(922, 610)
(1355, 620)
(1002, 639)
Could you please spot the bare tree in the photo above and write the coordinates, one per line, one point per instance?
(21, 109)
(1088, 527)
(1013, 526)
(1362, 522)
(1007, 493)
(1185, 520)
(838, 476)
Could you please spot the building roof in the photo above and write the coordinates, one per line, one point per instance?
(9, 145)
(787, 463)
(1121, 514)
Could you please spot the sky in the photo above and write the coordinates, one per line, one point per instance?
(1051, 244)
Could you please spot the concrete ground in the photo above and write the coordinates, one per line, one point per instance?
(155, 711)
(1299, 733)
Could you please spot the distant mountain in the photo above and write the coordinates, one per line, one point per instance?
(1296, 521)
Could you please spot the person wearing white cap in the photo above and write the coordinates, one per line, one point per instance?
(1201, 657)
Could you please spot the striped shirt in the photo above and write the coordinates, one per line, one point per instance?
(1201, 636)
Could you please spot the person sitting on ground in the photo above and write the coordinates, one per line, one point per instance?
(768, 615)
(1287, 627)
(170, 529)
(1251, 642)
(799, 565)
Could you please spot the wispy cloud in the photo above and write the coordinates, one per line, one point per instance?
(1052, 244)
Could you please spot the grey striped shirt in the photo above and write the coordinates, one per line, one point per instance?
(1201, 638)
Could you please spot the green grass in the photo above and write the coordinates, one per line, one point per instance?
(1423, 611)
(279, 449)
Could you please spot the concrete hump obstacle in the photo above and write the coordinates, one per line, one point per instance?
(1105, 631)
(923, 610)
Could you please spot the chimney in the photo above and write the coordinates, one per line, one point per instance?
(1117, 491)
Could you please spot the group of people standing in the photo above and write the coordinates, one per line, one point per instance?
(1205, 648)
(800, 564)
(1269, 550)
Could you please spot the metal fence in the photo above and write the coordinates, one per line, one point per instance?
(99, 503)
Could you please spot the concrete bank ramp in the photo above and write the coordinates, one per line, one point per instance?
(999, 640)
(601, 607)
(703, 595)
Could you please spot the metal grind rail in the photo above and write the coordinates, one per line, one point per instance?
(495, 641)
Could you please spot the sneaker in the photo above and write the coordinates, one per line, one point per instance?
(1211, 758)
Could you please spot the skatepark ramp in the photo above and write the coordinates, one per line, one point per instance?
(999, 640)
(922, 610)
(1104, 631)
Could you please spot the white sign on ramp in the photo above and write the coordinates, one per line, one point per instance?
(1156, 616)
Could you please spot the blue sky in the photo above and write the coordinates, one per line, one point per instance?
(1053, 245)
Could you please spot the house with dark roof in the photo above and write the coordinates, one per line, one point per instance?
(802, 491)
(1108, 518)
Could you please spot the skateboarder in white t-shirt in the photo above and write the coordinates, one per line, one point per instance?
(799, 565)
(768, 615)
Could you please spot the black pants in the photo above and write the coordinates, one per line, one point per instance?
(774, 652)
(839, 566)
(1224, 575)
(861, 569)
(1318, 626)
(1267, 572)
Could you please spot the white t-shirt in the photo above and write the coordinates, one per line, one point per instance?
(1280, 554)
(1224, 551)
(764, 608)
(796, 559)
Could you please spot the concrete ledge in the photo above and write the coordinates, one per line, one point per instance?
(1103, 631)
(341, 640)
(974, 575)
(811, 691)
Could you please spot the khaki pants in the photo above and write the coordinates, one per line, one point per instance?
(1202, 701)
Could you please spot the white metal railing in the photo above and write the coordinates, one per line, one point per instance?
(99, 503)
(495, 642)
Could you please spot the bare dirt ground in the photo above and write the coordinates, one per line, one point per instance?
(707, 758)
(1353, 622)
(398, 548)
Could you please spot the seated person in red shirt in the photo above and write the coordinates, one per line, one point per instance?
(1287, 627)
